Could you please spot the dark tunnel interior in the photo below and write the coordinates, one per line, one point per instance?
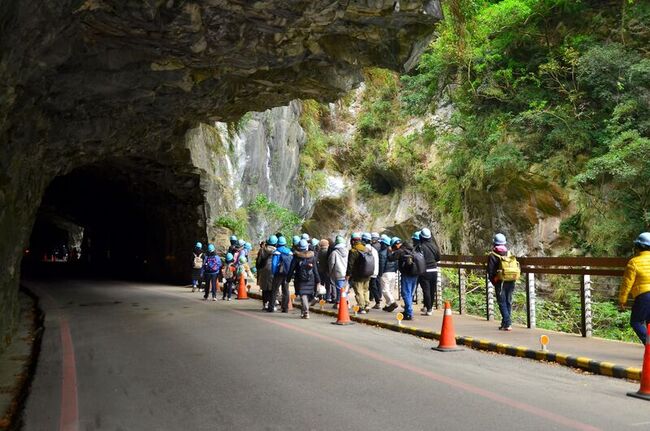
(122, 218)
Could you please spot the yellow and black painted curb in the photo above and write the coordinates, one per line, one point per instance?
(580, 362)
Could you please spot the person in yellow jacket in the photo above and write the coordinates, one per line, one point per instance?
(636, 281)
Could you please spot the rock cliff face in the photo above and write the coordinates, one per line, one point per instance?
(115, 85)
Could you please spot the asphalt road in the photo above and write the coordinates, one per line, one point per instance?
(128, 356)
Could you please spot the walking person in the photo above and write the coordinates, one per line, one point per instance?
(264, 266)
(323, 269)
(503, 278)
(211, 269)
(387, 274)
(429, 279)
(197, 266)
(304, 271)
(636, 282)
(281, 262)
(338, 266)
(360, 268)
(229, 276)
(403, 254)
(374, 286)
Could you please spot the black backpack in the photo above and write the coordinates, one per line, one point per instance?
(365, 264)
(305, 270)
(412, 263)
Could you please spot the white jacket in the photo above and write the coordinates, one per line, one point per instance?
(375, 257)
(338, 262)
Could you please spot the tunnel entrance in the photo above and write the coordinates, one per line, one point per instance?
(122, 218)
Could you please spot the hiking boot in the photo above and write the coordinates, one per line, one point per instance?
(392, 307)
(377, 307)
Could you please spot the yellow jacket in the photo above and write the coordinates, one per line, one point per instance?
(636, 279)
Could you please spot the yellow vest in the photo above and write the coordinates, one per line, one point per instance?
(636, 279)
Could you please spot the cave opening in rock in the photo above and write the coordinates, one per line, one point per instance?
(121, 218)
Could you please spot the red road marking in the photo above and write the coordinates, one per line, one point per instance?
(69, 410)
(570, 423)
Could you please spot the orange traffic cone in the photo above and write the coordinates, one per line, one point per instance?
(344, 314)
(447, 334)
(241, 293)
(644, 390)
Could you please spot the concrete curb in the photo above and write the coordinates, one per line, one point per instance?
(579, 362)
(11, 418)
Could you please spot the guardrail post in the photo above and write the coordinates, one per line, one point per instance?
(462, 290)
(439, 289)
(489, 299)
(585, 299)
(531, 315)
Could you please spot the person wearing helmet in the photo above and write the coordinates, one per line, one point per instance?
(358, 272)
(304, 271)
(280, 264)
(502, 289)
(323, 270)
(233, 240)
(263, 263)
(415, 240)
(305, 236)
(402, 253)
(242, 268)
(234, 245)
(229, 276)
(636, 282)
(211, 269)
(295, 242)
(387, 274)
(197, 266)
(429, 280)
(337, 264)
(372, 245)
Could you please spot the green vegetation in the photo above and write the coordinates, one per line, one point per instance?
(271, 216)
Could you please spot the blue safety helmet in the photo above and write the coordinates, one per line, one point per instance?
(233, 238)
(229, 257)
(385, 240)
(296, 239)
(282, 241)
(499, 239)
(314, 242)
(198, 245)
(273, 240)
(356, 236)
(305, 236)
(416, 236)
(303, 245)
(395, 240)
(374, 235)
(643, 240)
(425, 233)
(241, 243)
(340, 239)
(210, 248)
(366, 236)
(248, 246)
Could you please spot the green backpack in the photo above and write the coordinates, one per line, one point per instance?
(509, 269)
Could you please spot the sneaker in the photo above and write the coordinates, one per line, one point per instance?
(313, 302)
(508, 328)
(377, 307)
(363, 311)
(205, 298)
(423, 309)
(214, 299)
(193, 288)
(306, 315)
(228, 299)
(407, 317)
(392, 307)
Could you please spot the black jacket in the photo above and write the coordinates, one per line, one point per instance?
(398, 256)
(304, 287)
(430, 252)
(386, 265)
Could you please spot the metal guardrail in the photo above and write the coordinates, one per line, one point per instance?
(583, 266)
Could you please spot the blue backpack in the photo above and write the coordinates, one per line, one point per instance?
(280, 263)
(212, 263)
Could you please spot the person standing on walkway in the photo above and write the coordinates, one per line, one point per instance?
(304, 271)
(387, 274)
(229, 276)
(636, 282)
(211, 268)
(282, 258)
(403, 254)
(360, 268)
(338, 266)
(503, 287)
(323, 269)
(197, 266)
(429, 279)
(375, 288)
(263, 264)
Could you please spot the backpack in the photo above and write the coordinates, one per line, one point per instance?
(280, 263)
(198, 261)
(212, 263)
(305, 269)
(509, 269)
(419, 263)
(365, 264)
(413, 263)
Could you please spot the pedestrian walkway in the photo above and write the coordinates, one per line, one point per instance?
(614, 358)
